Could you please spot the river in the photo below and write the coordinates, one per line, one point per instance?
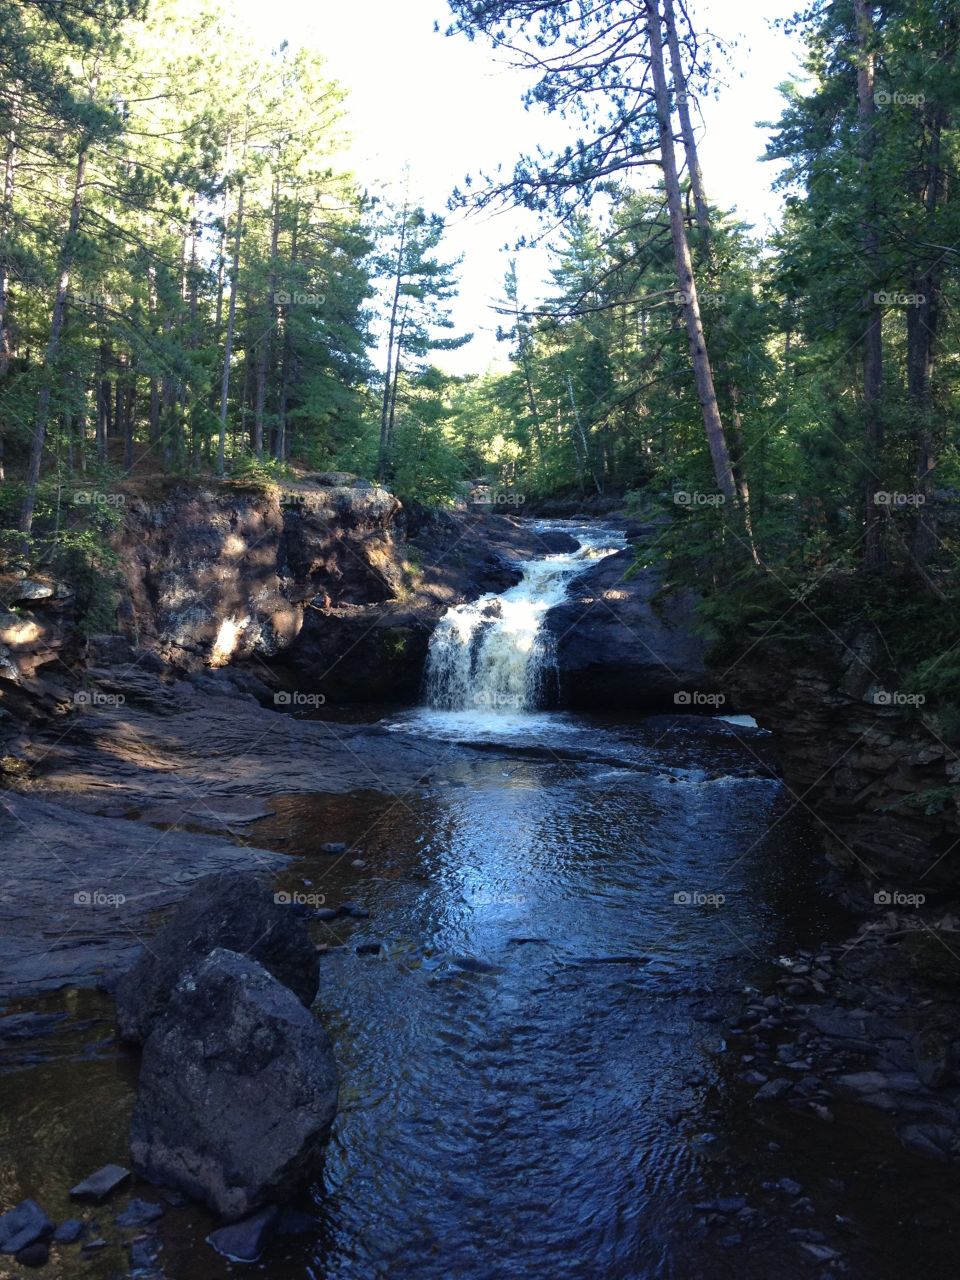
(538, 1077)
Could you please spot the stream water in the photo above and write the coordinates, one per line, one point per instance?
(536, 1080)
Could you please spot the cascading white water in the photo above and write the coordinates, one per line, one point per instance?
(491, 655)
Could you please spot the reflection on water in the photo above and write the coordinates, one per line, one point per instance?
(534, 1083)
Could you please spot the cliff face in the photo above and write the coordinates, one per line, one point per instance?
(327, 584)
(619, 645)
(330, 582)
(222, 575)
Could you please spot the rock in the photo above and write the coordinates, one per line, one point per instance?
(730, 1204)
(326, 913)
(139, 1213)
(820, 1252)
(619, 645)
(471, 964)
(144, 1252)
(238, 1089)
(23, 1226)
(368, 949)
(34, 1255)
(94, 1246)
(789, 1187)
(245, 1241)
(933, 1140)
(294, 1223)
(333, 846)
(32, 589)
(933, 1057)
(773, 1090)
(233, 911)
(100, 1184)
(354, 911)
(70, 1232)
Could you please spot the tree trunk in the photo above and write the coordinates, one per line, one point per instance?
(281, 442)
(263, 354)
(874, 548)
(699, 355)
(6, 228)
(922, 326)
(193, 336)
(702, 210)
(523, 348)
(228, 340)
(387, 377)
(154, 413)
(64, 268)
(396, 383)
(701, 206)
(103, 390)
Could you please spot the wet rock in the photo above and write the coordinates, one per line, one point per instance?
(354, 911)
(333, 846)
(70, 1232)
(821, 1112)
(144, 1253)
(294, 1223)
(100, 1184)
(753, 1077)
(238, 1089)
(618, 644)
(233, 911)
(22, 1226)
(773, 1090)
(326, 913)
(24, 1026)
(933, 1058)
(820, 1252)
(34, 1255)
(139, 1213)
(472, 964)
(933, 1140)
(245, 1241)
(730, 1204)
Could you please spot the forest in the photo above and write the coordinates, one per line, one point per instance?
(193, 284)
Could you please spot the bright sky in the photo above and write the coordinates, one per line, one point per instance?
(445, 107)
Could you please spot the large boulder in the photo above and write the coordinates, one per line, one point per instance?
(236, 911)
(621, 642)
(238, 1089)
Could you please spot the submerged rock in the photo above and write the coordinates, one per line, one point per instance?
(238, 1089)
(233, 911)
(245, 1241)
(139, 1213)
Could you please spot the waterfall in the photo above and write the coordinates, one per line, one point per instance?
(492, 655)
